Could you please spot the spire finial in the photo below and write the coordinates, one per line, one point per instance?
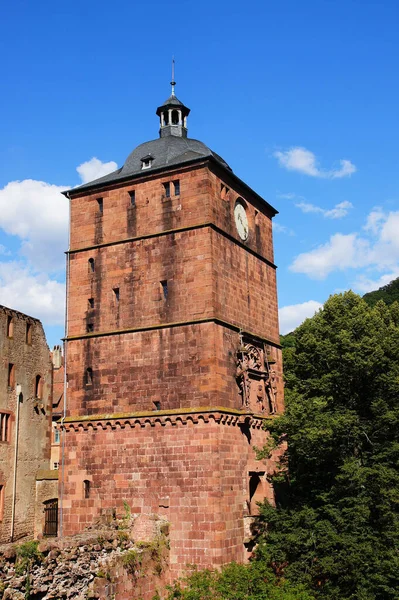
(173, 82)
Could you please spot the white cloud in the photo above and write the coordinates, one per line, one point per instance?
(293, 315)
(37, 213)
(340, 210)
(364, 284)
(339, 253)
(304, 161)
(278, 228)
(379, 252)
(94, 169)
(35, 295)
(288, 196)
(374, 220)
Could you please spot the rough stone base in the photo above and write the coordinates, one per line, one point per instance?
(108, 563)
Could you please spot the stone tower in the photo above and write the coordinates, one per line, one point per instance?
(173, 358)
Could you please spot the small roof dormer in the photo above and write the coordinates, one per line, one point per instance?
(173, 114)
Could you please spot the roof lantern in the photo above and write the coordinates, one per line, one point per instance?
(173, 114)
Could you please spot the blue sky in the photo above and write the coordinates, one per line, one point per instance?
(300, 98)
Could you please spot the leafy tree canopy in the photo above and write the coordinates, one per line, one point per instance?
(335, 527)
(389, 293)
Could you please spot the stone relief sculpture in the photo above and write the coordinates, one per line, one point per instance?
(256, 379)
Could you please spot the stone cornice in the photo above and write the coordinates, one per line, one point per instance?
(216, 320)
(172, 417)
(174, 231)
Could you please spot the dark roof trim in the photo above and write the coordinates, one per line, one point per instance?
(117, 182)
(175, 167)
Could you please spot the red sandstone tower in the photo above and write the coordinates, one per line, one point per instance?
(173, 357)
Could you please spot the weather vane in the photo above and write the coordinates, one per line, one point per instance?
(173, 82)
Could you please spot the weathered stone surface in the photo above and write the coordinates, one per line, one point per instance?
(24, 360)
(104, 564)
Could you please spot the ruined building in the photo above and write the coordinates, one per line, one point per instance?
(172, 355)
(27, 487)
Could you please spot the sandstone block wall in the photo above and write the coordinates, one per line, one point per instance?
(30, 358)
(146, 365)
(194, 470)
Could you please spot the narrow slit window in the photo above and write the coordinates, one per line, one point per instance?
(86, 488)
(11, 375)
(176, 185)
(91, 265)
(28, 334)
(89, 327)
(164, 288)
(10, 327)
(224, 191)
(132, 195)
(100, 203)
(167, 189)
(38, 387)
(4, 427)
(90, 303)
(116, 294)
(57, 436)
(89, 376)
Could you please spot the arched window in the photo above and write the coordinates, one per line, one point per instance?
(166, 117)
(10, 327)
(175, 117)
(38, 387)
(91, 265)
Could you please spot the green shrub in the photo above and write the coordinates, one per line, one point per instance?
(27, 555)
(237, 582)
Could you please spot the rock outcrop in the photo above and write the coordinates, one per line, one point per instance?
(109, 562)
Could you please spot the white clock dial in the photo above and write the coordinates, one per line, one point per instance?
(241, 219)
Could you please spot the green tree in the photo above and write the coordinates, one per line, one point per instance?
(389, 293)
(335, 526)
(237, 582)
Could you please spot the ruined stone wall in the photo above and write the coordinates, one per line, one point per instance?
(30, 356)
(107, 563)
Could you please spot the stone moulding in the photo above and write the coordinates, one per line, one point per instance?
(177, 417)
(217, 320)
(174, 231)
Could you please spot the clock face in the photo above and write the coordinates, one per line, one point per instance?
(241, 220)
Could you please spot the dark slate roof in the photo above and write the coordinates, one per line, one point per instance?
(172, 100)
(167, 151)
